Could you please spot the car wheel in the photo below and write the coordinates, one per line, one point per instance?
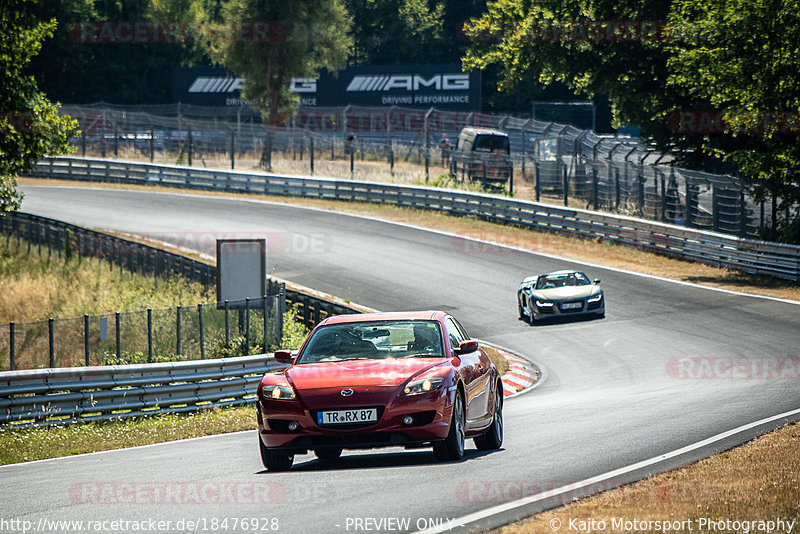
(520, 309)
(274, 461)
(328, 455)
(452, 448)
(493, 439)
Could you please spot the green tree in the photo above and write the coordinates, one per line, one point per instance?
(579, 44)
(393, 32)
(743, 58)
(740, 56)
(269, 42)
(30, 126)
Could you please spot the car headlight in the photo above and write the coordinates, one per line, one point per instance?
(596, 298)
(423, 385)
(544, 304)
(278, 393)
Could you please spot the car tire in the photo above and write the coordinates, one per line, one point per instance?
(493, 438)
(328, 455)
(274, 461)
(521, 310)
(452, 448)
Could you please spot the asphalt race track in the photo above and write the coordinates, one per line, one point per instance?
(612, 394)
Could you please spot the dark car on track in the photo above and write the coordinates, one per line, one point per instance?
(410, 379)
(559, 294)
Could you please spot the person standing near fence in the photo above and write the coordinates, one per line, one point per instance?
(446, 146)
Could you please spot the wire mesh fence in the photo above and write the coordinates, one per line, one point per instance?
(548, 162)
(209, 330)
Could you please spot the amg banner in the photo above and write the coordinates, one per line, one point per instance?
(418, 86)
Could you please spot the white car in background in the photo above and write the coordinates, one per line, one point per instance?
(559, 294)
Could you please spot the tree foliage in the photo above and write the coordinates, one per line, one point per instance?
(392, 32)
(740, 57)
(294, 39)
(30, 126)
(743, 59)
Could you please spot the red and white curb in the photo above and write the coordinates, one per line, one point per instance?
(520, 376)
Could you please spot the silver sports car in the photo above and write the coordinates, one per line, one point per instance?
(559, 294)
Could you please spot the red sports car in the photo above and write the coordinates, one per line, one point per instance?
(411, 379)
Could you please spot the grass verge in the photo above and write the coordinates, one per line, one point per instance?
(590, 251)
(39, 443)
(39, 283)
(755, 482)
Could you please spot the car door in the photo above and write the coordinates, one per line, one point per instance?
(471, 373)
(481, 379)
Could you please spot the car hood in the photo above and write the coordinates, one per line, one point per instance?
(566, 293)
(352, 373)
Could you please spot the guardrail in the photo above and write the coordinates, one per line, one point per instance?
(46, 397)
(747, 255)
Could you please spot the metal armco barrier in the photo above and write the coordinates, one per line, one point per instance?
(747, 255)
(46, 397)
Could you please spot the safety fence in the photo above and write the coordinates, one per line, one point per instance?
(712, 248)
(548, 162)
(180, 333)
(46, 397)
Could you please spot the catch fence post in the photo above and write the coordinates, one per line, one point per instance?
(52, 346)
(178, 331)
(279, 313)
(86, 338)
(227, 323)
(11, 363)
(246, 325)
(311, 152)
(266, 320)
(742, 214)
(202, 334)
(149, 335)
(119, 344)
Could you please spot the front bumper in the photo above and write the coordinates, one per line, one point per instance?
(558, 308)
(431, 414)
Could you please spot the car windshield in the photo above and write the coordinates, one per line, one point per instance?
(373, 340)
(562, 280)
(490, 143)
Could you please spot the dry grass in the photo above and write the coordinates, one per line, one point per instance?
(600, 253)
(759, 481)
(497, 359)
(37, 444)
(43, 284)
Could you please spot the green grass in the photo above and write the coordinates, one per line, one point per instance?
(39, 443)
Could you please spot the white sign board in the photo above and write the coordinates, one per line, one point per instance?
(241, 270)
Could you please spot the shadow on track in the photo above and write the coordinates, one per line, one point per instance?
(379, 461)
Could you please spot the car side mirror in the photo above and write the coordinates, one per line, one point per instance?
(466, 347)
(284, 356)
(596, 280)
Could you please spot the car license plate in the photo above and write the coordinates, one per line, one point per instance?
(343, 417)
(572, 305)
